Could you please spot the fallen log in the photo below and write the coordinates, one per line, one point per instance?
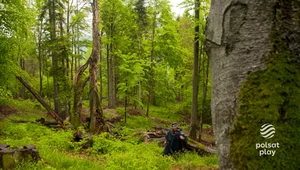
(159, 136)
(52, 113)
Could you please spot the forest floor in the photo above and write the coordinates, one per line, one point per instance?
(120, 149)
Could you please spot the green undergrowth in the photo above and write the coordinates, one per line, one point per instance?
(121, 149)
(24, 105)
(157, 116)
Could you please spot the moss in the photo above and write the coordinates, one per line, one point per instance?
(269, 96)
(8, 160)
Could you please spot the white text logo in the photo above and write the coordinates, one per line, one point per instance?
(267, 131)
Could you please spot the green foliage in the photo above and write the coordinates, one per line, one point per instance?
(269, 96)
(141, 156)
(16, 40)
(120, 149)
(167, 114)
(191, 160)
(143, 122)
(104, 145)
(4, 96)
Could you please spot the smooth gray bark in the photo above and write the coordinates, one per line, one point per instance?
(238, 37)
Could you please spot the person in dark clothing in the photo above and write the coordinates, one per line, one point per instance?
(175, 141)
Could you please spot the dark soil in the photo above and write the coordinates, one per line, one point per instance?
(135, 112)
(6, 110)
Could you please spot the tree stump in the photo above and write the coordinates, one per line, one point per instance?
(7, 158)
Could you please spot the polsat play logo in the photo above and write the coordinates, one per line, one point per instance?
(267, 131)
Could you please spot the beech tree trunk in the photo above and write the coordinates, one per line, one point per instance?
(52, 20)
(241, 35)
(111, 72)
(194, 122)
(95, 107)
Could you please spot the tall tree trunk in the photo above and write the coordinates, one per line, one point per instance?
(204, 92)
(193, 131)
(48, 84)
(251, 44)
(125, 105)
(111, 71)
(40, 28)
(77, 29)
(22, 90)
(100, 68)
(52, 18)
(140, 82)
(150, 89)
(95, 107)
(108, 74)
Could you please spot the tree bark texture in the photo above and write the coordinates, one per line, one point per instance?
(111, 71)
(52, 20)
(78, 87)
(95, 107)
(193, 131)
(239, 37)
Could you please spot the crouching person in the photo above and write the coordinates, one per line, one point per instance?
(175, 140)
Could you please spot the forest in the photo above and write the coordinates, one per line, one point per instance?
(135, 84)
(111, 73)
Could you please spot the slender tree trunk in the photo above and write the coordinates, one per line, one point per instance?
(54, 56)
(48, 85)
(77, 29)
(73, 67)
(111, 69)
(193, 131)
(100, 68)
(108, 74)
(22, 90)
(204, 93)
(139, 83)
(95, 107)
(150, 90)
(40, 56)
(125, 105)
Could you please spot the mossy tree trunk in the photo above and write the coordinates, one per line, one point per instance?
(78, 87)
(253, 46)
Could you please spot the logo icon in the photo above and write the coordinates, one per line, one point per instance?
(267, 130)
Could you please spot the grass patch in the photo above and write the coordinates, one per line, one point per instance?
(166, 114)
(109, 152)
